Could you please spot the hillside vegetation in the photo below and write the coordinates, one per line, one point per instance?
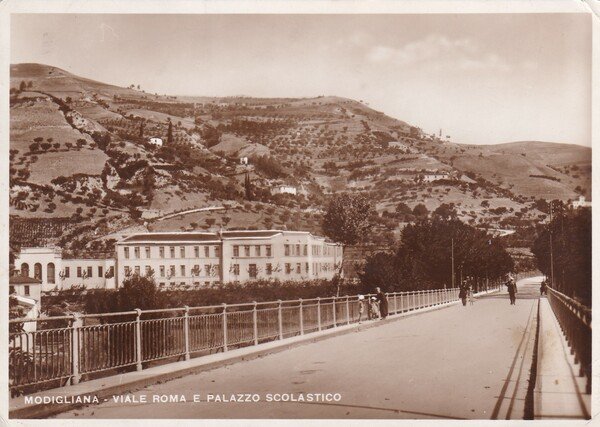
(80, 156)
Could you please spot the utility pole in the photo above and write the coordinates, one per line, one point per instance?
(453, 263)
(551, 251)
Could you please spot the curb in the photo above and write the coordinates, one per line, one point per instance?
(136, 380)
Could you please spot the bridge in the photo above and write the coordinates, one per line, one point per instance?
(433, 359)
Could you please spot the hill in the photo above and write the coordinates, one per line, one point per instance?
(80, 154)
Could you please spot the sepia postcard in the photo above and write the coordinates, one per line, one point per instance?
(233, 213)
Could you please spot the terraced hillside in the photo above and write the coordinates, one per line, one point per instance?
(81, 150)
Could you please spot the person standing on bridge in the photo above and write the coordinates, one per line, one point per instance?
(361, 307)
(512, 289)
(462, 293)
(383, 303)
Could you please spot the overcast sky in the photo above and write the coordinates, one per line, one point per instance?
(482, 78)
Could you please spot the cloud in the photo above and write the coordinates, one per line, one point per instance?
(435, 49)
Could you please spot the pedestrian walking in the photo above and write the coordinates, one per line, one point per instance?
(544, 287)
(512, 290)
(361, 307)
(383, 303)
(462, 294)
(471, 296)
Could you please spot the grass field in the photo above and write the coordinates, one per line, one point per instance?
(52, 165)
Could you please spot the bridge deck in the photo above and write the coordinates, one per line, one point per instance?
(460, 362)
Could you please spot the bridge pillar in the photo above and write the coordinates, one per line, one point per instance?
(255, 323)
(75, 345)
(319, 313)
(186, 331)
(138, 340)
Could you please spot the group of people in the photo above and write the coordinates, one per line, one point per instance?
(376, 307)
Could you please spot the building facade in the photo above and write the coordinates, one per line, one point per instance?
(192, 259)
(57, 273)
(189, 260)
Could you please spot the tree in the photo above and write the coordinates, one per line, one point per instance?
(22, 86)
(420, 210)
(248, 188)
(403, 209)
(141, 134)
(445, 211)
(349, 217)
(170, 132)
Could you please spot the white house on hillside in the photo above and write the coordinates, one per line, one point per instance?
(581, 203)
(284, 189)
(156, 141)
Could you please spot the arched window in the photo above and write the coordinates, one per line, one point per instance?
(37, 271)
(25, 269)
(50, 273)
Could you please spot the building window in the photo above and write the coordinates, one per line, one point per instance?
(257, 250)
(305, 250)
(269, 269)
(306, 266)
(111, 272)
(236, 250)
(298, 268)
(161, 251)
(79, 274)
(172, 270)
(26, 289)
(148, 270)
(89, 271)
(207, 283)
(288, 268)
(11, 290)
(162, 271)
(297, 250)
(147, 251)
(268, 250)
(172, 251)
(196, 270)
(215, 270)
(197, 251)
(67, 272)
(25, 269)
(51, 273)
(137, 270)
(217, 251)
(162, 284)
(207, 251)
(126, 252)
(136, 252)
(252, 271)
(182, 270)
(99, 271)
(207, 269)
(246, 251)
(127, 271)
(236, 269)
(182, 251)
(286, 250)
(37, 271)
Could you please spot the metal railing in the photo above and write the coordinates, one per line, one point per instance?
(69, 349)
(575, 320)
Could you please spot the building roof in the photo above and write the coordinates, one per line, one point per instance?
(172, 237)
(250, 233)
(23, 280)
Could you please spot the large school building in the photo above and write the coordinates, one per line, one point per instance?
(190, 259)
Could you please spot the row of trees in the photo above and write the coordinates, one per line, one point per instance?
(423, 257)
(564, 247)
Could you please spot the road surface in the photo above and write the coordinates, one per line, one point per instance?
(455, 363)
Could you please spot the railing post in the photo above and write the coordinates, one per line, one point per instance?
(75, 344)
(280, 320)
(334, 313)
(319, 312)
(225, 348)
(395, 304)
(186, 331)
(255, 323)
(138, 340)
(401, 303)
(347, 310)
(301, 319)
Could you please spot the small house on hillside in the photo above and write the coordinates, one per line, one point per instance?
(284, 189)
(581, 203)
(436, 176)
(243, 160)
(156, 141)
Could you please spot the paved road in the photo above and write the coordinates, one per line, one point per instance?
(458, 362)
